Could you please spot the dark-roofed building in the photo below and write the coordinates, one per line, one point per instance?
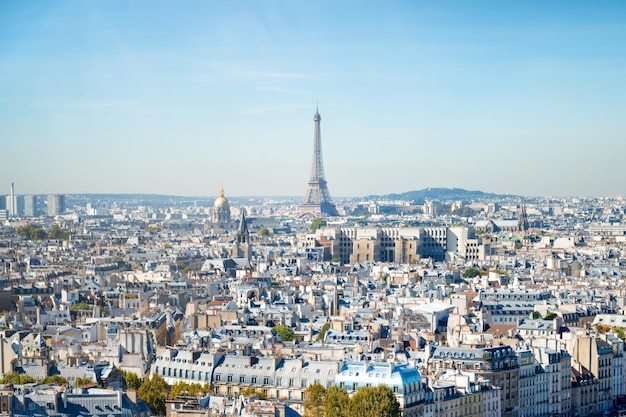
(497, 364)
(54, 401)
(584, 391)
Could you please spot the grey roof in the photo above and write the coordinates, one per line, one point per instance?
(243, 225)
(72, 372)
(36, 371)
(91, 402)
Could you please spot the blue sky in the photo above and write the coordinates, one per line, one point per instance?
(178, 97)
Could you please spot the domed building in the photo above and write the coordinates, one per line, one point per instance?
(221, 209)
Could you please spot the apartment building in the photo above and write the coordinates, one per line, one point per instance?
(498, 364)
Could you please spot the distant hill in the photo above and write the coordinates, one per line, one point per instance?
(442, 194)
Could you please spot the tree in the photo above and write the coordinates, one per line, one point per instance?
(287, 334)
(317, 223)
(336, 402)
(18, 379)
(314, 400)
(374, 402)
(23, 231)
(80, 306)
(54, 379)
(465, 212)
(132, 380)
(322, 333)
(83, 382)
(550, 315)
(535, 315)
(264, 232)
(153, 392)
(185, 388)
(37, 234)
(471, 273)
(31, 232)
(249, 391)
(55, 233)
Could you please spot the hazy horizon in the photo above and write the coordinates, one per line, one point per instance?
(159, 97)
(334, 198)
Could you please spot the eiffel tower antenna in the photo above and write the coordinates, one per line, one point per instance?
(317, 200)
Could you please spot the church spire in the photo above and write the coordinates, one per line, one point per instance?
(242, 238)
(243, 235)
(522, 218)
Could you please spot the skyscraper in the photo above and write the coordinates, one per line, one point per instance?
(30, 205)
(14, 204)
(12, 207)
(317, 200)
(56, 204)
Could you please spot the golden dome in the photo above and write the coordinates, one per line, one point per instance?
(221, 201)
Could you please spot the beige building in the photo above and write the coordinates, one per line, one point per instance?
(596, 355)
(455, 398)
(584, 391)
(399, 245)
(498, 364)
(8, 357)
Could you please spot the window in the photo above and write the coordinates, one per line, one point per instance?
(230, 378)
(241, 378)
(266, 380)
(254, 379)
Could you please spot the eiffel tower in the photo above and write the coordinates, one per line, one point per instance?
(317, 198)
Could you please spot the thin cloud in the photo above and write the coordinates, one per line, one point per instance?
(281, 90)
(277, 75)
(89, 105)
(253, 110)
(214, 76)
